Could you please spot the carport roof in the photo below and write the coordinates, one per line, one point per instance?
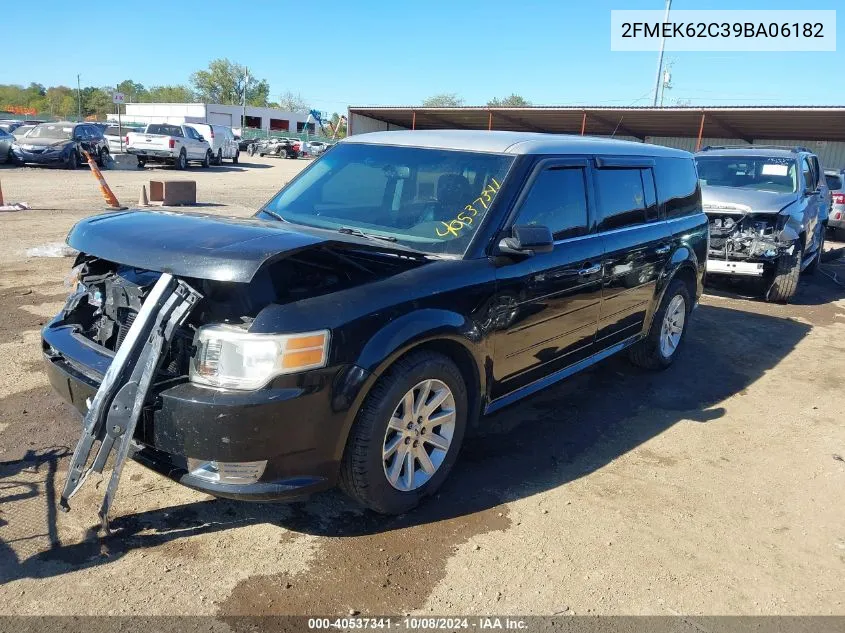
(741, 122)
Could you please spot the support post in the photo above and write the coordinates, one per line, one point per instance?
(490, 120)
(414, 120)
(700, 133)
(583, 123)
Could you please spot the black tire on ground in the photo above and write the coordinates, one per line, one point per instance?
(219, 159)
(207, 159)
(648, 353)
(362, 474)
(103, 159)
(250, 149)
(182, 160)
(72, 161)
(817, 259)
(260, 155)
(14, 159)
(235, 159)
(785, 281)
(141, 163)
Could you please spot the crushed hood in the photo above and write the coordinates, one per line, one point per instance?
(200, 245)
(736, 200)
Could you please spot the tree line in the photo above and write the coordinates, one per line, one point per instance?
(223, 82)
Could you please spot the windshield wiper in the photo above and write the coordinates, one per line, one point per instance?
(370, 236)
(273, 214)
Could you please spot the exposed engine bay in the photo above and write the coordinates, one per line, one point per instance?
(108, 296)
(748, 237)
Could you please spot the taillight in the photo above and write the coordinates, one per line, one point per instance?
(126, 140)
(212, 133)
(839, 198)
(172, 143)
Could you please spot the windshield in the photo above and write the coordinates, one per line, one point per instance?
(762, 173)
(429, 199)
(51, 130)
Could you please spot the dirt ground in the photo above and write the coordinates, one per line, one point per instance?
(712, 488)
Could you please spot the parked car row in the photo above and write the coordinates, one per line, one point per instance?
(62, 143)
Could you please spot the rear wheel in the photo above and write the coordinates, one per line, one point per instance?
(668, 329)
(235, 159)
(407, 434)
(785, 282)
(181, 160)
(250, 149)
(141, 163)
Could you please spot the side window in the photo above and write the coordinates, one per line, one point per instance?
(557, 199)
(816, 170)
(621, 197)
(80, 132)
(356, 185)
(808, 174)
(677, 187)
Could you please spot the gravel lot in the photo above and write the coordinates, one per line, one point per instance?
(712, 488)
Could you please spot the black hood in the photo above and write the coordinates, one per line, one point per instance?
(202, 246)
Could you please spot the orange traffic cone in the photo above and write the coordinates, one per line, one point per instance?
(143, 201)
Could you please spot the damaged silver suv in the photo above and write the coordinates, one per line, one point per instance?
(768, 210)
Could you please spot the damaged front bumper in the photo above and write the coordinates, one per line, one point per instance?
(748, 245)
(277, 443)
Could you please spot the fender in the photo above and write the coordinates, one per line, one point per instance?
(683, 257)
(402, 335)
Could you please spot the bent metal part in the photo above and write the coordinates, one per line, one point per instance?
(116, 407)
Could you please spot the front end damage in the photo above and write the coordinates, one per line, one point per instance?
(116, 349)
(748, 243)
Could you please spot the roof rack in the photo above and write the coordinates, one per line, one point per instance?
(791, 148)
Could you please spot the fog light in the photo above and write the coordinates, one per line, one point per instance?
(238, 473)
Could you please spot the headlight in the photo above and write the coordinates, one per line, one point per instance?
(228, 356)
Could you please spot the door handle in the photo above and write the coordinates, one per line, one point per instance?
(662, 250)
(590, 270)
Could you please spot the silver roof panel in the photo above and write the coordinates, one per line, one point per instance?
(501, 142)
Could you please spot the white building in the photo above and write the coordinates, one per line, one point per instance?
(266, 119)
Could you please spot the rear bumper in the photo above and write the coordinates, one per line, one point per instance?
(151, 154)
(298, 424)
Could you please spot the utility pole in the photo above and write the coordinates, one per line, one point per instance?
(243, 118)
(660, 56)
(78, 99)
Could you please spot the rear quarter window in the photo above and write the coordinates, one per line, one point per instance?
(834, 182)
(678, 190)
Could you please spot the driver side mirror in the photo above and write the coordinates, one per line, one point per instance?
(201, 137)
(528, 240)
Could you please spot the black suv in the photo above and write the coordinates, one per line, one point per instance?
(398, 289)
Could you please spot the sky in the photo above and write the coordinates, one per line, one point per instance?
(363, 52)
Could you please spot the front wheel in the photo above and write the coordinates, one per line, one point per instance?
(103, 159)
(785, 281)
(407, 434)
(141, 163)
(207, 159)
(219, 159)
(235, 159)
(72, 160)
(668, 329)
(181, 160)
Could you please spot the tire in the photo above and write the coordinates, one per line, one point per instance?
(72, 161)
(250, 149)
(785, 280)
(219, 159)
(141, 163)
(207, 159)
(655, 351)
(364, 468)
(14, 159)
(182, 161)
(260, 155)
(236, 157)
(814, 265)
(103, 159)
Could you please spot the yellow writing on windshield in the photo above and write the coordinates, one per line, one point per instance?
(466, 217)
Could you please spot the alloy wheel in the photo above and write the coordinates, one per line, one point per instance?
(419, 435)
(673, 326)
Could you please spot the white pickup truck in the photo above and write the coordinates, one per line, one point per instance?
(169, 143)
